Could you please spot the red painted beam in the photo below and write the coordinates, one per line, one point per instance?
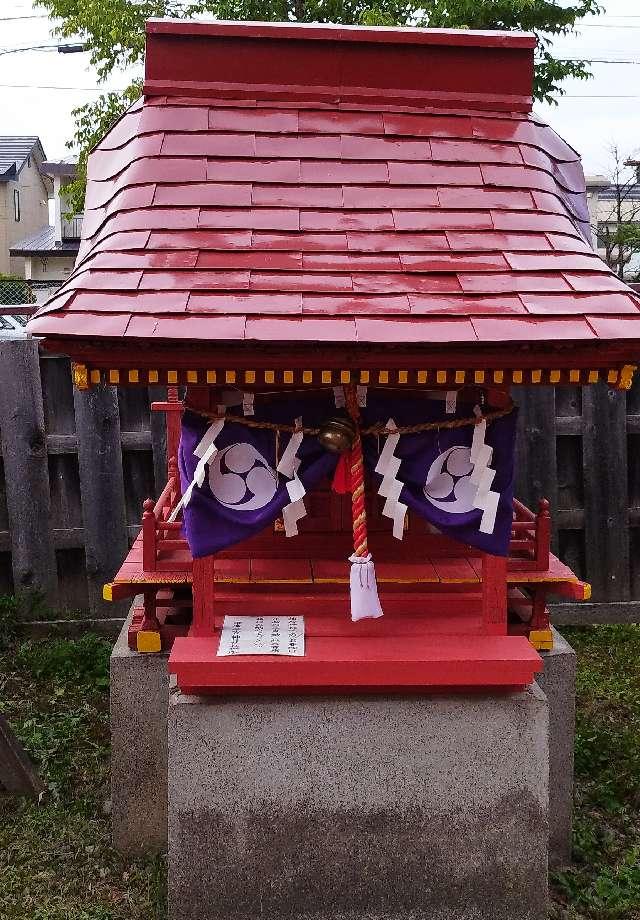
(176, 354)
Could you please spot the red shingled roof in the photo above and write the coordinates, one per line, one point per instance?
(264, 211)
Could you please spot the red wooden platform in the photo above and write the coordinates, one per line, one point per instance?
(434, 572)
(434, 633)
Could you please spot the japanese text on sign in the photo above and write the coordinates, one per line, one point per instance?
(262, 636)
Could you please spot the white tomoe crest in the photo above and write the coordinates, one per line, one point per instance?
(459, 480)
(241, 479)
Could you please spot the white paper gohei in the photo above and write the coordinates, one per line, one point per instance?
(262, 636)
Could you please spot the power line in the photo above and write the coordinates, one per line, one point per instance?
(580, 60)
(581, 25)
(31, 48)
(16, 18)
(612, 96)
(80, 89)
(116, 89)
(605, 25)
(69, 48)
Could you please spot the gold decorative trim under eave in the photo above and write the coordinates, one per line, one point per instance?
(80, 375)
(620, 377)
(626, 376)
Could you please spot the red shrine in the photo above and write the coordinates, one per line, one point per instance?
(291, 208)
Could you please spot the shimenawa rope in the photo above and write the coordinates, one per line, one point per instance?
(378, 429)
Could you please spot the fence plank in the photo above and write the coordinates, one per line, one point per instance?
(57, 395)
(102, 490)
(536, 465)
(606, 492)
(159, 439)
(22, 435)
(17, 774)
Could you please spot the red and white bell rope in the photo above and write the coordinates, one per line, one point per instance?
(363, 586)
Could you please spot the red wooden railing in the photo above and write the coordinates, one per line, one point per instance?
(156, 529)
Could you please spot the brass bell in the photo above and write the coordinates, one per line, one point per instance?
(337, 435)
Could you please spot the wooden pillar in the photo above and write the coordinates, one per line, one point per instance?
(494, 594)
(543, 535)
(102, 488)
(604, 463)
(24, 450)
(173, 423)
(149, 542)
(203, 599)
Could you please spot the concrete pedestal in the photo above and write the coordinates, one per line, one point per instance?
(558, 681)
(139, 691)
(430, 808)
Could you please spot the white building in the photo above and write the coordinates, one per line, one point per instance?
(24, 194)
(50, 252)
(608, 206)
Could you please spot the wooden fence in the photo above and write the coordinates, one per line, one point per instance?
(76, 468)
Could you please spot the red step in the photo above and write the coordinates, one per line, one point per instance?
(360, 664)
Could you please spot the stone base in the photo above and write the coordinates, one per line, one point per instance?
(558, 681)
(139, 690)
(430, 808)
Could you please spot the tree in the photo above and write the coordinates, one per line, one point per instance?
(113, 31)
(617, 219)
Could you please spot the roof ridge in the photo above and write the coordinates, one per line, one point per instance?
(335, 63)
(302, 31)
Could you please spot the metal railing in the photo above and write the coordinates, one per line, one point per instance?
(72, 229)
(25, 295)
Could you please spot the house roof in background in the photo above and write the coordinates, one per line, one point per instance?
(610, 193)
(425, 210)
(14, 152)
(43, 242)
(12, 325)
(606, 189)
(66, 169)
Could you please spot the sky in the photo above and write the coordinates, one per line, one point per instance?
(38, 89)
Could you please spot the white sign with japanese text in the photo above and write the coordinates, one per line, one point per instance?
(262, 636)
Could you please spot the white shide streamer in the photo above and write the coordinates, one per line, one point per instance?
(289, 465)
(390, 488)
(340, 400)
(482, 477)
(205, 451)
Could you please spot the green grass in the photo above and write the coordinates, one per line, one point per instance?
(56, 860)
(604, 881)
